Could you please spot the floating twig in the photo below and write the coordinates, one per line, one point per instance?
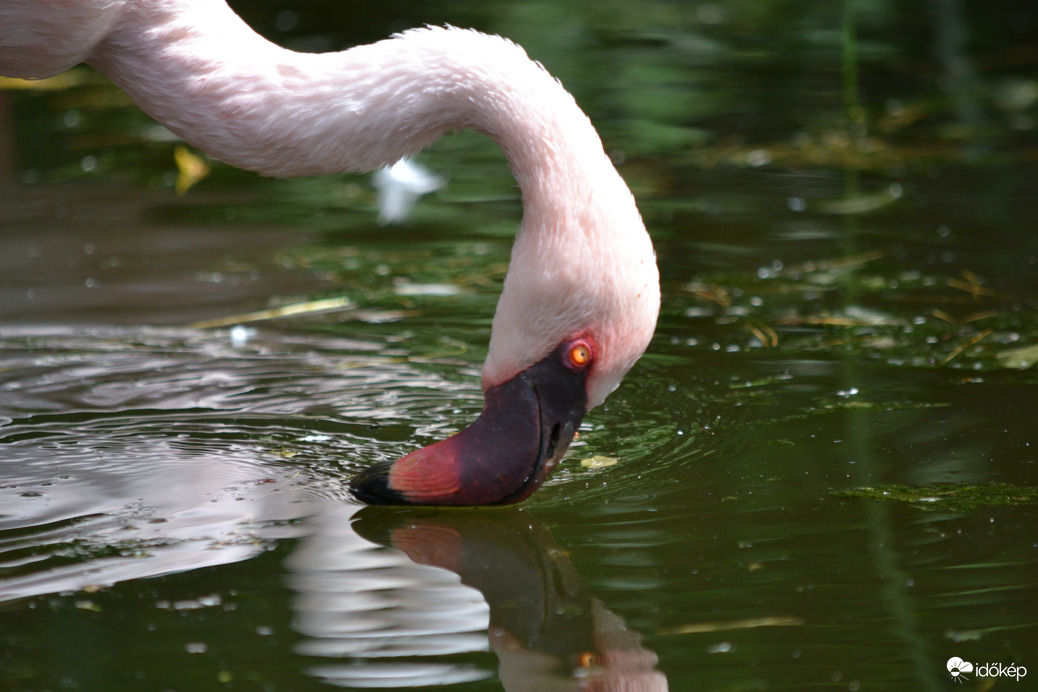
(308, 308)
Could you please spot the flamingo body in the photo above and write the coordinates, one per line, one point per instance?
(583, 273)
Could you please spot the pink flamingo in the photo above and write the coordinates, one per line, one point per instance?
(581, 297)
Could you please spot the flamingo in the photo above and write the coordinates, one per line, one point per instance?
(581, 296)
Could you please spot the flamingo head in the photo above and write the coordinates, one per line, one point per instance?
(578, 309)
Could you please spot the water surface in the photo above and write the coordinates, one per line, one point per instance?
(840, 314)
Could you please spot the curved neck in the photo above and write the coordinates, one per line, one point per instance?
(200, 70)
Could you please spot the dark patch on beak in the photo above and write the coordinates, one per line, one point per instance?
(526, 425)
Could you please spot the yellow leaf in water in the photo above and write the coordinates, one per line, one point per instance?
(598, 462)
(190, 168)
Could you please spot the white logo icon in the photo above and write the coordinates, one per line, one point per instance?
(958, 668)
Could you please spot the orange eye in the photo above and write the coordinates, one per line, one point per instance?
(579, 354)
(587, 659)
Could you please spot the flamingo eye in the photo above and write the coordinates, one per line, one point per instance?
(587, 659)
(579, 354)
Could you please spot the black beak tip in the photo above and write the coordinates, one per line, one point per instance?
(372, 486)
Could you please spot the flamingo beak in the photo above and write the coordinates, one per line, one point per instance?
(526, 425)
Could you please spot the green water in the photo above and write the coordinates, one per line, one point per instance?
(846, 341)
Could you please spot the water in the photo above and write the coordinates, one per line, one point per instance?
(173, 512)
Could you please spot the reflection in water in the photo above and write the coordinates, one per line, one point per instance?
(67, 530)
(546, 630)
(382, 620)
(135, 454)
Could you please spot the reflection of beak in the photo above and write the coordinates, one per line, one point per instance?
(525, 427)
(547, 630)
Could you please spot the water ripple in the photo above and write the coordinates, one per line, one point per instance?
(183, 448)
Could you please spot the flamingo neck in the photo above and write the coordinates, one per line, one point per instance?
(199, 69)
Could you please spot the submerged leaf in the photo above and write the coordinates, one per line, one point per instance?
(598, 461)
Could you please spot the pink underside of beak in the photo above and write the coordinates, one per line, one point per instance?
(428, 473)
